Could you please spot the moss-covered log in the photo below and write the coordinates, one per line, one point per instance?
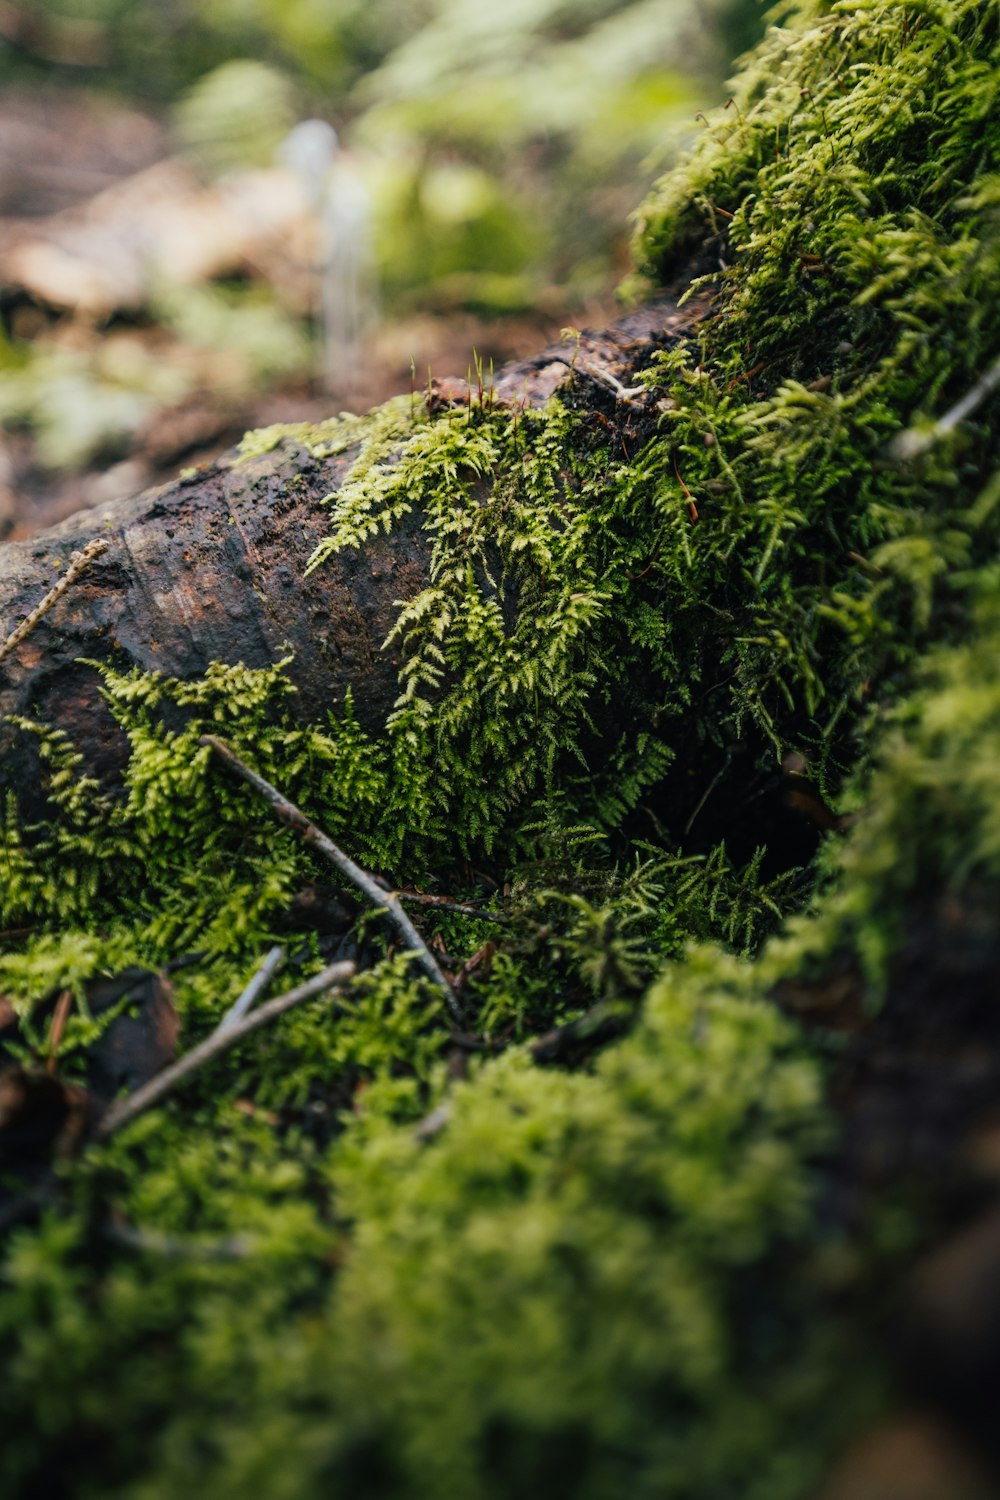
(353, 1261)
(214, 567)
(208, 568)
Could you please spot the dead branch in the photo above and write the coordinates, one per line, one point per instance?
(445, 903)
(213, 568)
(133, 1105)
(383, 900)
(570, 1043)
(154, 1242)
(254, 989)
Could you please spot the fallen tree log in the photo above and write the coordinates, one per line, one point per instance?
(212, 567)
(666, 1272)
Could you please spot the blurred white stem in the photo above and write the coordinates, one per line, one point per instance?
(343, 277)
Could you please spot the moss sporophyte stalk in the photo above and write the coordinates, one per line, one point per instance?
(582, 1281)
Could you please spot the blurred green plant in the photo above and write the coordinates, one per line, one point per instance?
(501, 149)
(84, 402)
(562, 110)
(81, 404)
(504, 146)
(235, 116)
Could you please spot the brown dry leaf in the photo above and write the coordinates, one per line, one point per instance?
(912, 1458)
(40, 1117)
(60, 145)
(835, 999)
(159, 225)
(482, 959)
(63, 1007)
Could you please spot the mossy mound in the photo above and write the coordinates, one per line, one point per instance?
(615, 1277)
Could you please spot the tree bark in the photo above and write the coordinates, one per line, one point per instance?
(212, 567)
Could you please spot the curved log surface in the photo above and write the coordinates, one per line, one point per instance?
(211, 567)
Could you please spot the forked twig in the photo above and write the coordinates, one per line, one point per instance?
(254, 989)
(127, 1109)
(78, 563)
(382, 899)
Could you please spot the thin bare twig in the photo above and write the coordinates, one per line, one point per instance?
(914, 441)
(708, 792)
(627, 394)
(599, 1024)
(432, 1124)
(482, 958)
(78, 563)
(174, 1247)
(623, 392)
(382, 899)
(151, 1093)
(254, 989)
(445, 903)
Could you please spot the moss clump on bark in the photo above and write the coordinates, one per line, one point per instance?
(584, 1277)
(582, 1281)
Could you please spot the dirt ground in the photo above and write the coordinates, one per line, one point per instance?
(66, 160)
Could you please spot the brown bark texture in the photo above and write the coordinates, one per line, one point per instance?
(211, 567)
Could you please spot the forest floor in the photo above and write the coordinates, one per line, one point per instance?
(65, 160)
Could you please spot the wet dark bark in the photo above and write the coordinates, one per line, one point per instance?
(203, 569)
(212, 568)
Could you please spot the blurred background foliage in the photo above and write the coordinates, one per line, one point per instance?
(499, 149)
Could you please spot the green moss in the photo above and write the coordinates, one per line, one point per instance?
(578, 1272)
(335, 435)
(930, 809)
(539, 1223)
(527, 1243)
(608, 1279)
